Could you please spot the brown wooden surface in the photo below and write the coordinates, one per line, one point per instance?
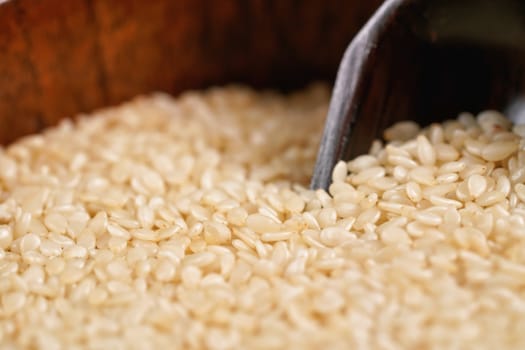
(58, 58)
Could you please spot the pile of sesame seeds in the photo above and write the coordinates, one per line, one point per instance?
(187, 223)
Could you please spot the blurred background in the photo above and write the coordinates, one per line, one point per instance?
(59, 58)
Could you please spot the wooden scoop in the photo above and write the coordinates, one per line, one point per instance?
(424, 60)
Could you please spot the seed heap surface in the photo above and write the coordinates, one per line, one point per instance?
(186, 223)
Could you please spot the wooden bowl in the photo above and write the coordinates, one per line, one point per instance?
(59, 58)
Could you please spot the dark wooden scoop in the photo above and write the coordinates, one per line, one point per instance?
(425, 60)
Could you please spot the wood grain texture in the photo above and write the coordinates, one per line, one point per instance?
(59, 58)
